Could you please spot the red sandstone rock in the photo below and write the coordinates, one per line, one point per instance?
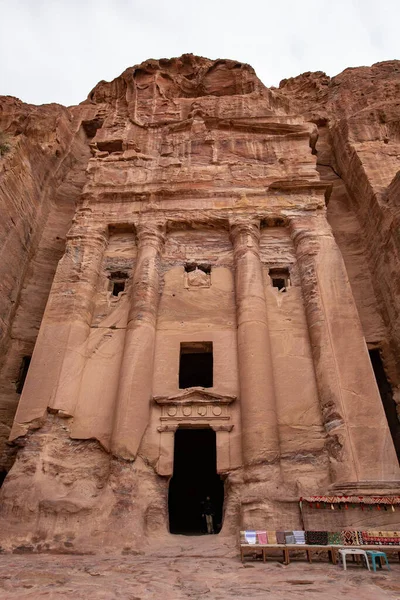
(194, 192)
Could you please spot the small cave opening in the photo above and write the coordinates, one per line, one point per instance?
(110, 146)
(91, 126)
(195, 489)
(386, 393)
(196, 365)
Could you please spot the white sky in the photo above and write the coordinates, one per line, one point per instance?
(57, 50)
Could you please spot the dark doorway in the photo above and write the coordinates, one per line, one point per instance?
(385, 390)
(195, 477)
(196, 365)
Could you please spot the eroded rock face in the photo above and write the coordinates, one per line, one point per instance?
(358, 151)
(179, 217)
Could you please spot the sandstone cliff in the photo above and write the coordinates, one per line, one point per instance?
(358, 151)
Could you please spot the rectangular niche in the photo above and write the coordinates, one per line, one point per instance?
(197, 275)
(117, 282)
(196, 365)
(280, 278)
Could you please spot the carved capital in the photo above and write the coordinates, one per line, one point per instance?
(245, 236)
(305, 236)
(167, 428)
(227, 428)
(89, 235)
(151, 234)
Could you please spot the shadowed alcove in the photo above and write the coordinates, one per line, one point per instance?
(196, 365)
(386, 392)
(195, 477)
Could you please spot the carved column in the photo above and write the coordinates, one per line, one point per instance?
(58, 360)
(257, 394)
(359, 441)
(222, 434)
(165, 464)
(136, 376)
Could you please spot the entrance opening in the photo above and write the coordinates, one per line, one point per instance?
(196, 365)
(385, 390)
(195, 478)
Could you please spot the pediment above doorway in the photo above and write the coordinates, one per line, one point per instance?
(194, 395)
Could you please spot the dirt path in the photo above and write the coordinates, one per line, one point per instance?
(188, 574)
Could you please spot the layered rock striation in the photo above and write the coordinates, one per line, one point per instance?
(185, 209)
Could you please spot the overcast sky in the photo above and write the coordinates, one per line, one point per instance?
(57, 50)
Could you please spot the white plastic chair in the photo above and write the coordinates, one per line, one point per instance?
(343, 552)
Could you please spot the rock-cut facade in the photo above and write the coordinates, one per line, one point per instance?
(198, 269)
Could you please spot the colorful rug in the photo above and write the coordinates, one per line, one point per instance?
(319, 538)
(350, 538)
(271, 537)
(250, 537)
(280, 537)
(384, 500)
(262, 537)
(383, 538)
(335, 538)
(299, 537)
(289, 537)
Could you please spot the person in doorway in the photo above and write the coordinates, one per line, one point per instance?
(208, 514)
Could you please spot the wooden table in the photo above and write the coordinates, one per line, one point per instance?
(332, 550)
(263, 548)
(307, 548)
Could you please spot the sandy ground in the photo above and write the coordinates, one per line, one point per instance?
(195, 568)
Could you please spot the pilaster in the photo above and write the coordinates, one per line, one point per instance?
(360, 447)
(257, 394)
(136, 375)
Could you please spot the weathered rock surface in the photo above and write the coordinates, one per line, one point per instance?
(41, 178)
(185, 203)
(187, 571)
(358, 151)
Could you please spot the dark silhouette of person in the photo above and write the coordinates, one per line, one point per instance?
(208, 514)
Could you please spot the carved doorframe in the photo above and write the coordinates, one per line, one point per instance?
(194, 408)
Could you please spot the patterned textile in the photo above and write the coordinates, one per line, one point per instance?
(383, 538)
(391, 500)
(289, 537)
(299, 537)
(262, 537)
(317, 537)
(335, 538)
(350, 538)
(280, 537)
(271, 537)
(250, 537)
(360, 539)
